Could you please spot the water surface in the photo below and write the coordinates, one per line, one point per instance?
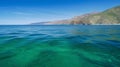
(60, 46)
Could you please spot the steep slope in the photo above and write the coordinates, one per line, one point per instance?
(110, 16)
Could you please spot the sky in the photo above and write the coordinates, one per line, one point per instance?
(29, 11)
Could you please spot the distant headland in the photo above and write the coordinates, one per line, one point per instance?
(108, 17)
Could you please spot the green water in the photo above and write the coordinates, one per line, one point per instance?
(60, 46)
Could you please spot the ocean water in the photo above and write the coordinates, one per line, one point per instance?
(60, 46)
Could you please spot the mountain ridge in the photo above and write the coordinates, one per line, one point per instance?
(109, 17)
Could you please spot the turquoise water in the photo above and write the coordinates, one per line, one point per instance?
(60, 46)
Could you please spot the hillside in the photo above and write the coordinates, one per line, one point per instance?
(109, 16)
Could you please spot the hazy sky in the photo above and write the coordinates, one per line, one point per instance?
(29, 11)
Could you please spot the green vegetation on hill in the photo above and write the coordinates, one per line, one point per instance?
(110, 16)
